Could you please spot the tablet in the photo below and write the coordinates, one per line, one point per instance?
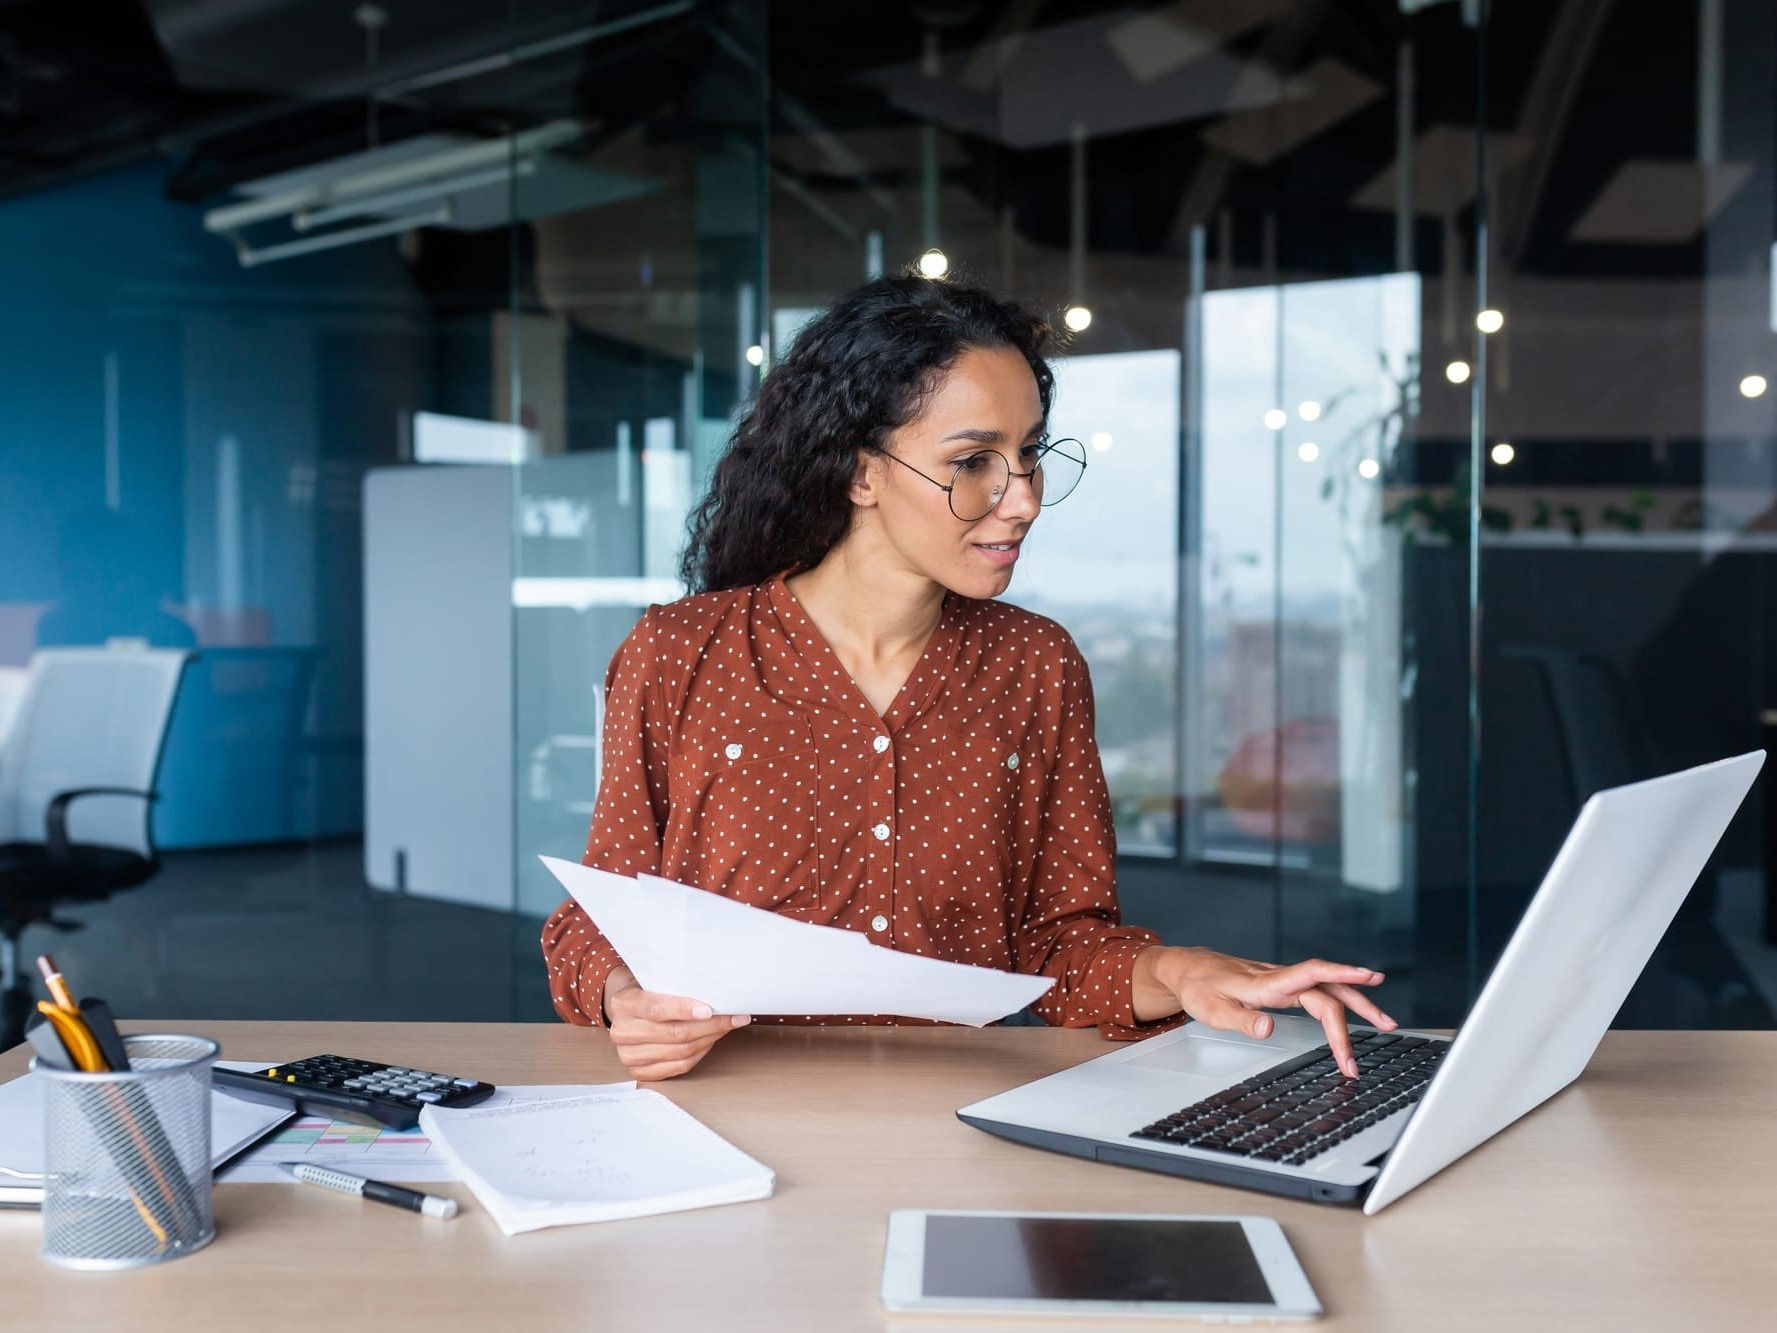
(1173, 1265)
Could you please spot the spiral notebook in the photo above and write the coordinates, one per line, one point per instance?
(596, 1158)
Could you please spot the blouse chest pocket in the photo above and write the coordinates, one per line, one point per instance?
(742, 817)
(988, 774)
(771, 755)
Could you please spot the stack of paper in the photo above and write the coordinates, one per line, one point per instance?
(592, 1159)
(744, 960)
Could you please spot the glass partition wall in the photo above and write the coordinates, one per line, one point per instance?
(1256, 225)
(638, 328)
(1421, 350)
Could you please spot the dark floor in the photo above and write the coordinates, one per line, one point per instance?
(293, 932)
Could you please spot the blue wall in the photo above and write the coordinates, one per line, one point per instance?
(244, 406)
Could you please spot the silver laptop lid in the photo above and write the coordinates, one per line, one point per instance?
(1628, 862)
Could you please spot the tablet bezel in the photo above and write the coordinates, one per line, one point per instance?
(903, 1272)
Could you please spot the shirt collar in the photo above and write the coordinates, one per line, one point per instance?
(810, 672)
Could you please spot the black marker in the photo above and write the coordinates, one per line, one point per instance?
(432, 1205)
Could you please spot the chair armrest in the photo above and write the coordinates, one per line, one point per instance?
(56, 821)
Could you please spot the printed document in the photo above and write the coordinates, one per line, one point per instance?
(745, 960)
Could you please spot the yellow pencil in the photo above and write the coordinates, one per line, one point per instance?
(83, 1047)
(58, 985)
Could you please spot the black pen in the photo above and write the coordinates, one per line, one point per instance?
(432, 1205)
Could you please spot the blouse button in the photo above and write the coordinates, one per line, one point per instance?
(1011, 761)
(733, 752)
(881, 743)
(881, 831)
(879, 922)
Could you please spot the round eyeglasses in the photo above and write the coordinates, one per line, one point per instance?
(981, 480)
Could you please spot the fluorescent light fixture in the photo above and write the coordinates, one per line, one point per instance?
(434, 167)
(394, 200)
(482, 182)
(332, 240)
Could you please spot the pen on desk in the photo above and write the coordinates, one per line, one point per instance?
(432, 1205)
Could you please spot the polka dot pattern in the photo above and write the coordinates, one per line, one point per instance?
(970, 822)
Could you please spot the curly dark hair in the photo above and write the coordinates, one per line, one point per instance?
(862, 369)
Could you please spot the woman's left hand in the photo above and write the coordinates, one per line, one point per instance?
(1228, 993)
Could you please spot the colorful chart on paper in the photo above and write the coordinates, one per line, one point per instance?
(405, 1155)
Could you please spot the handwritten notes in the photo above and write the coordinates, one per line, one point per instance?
(592, 1159)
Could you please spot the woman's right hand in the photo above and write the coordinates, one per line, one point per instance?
(661, 1036)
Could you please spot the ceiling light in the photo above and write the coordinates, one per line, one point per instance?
(1457, 372)
(1077, 318)
(360, 178)
(1309, 410)
(755, 355)
(934, 263)
(1502, 453)
(1369, 469)
(1101, 440)
(1276, 419)
(332, 240)
(1753, 386)
(1490, 321)
(1308, 451)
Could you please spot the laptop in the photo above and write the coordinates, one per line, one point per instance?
(1276, 1115)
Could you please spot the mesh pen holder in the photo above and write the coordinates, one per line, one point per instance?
(127, 1157)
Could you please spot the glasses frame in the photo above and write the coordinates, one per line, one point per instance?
(1011, 475)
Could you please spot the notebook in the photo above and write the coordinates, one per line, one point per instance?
(596, 1158)
(235, 1125)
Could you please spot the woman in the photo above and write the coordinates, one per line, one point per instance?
(845, 727)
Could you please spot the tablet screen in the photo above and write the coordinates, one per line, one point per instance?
(1091, 1259)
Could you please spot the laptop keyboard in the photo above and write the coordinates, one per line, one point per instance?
(1303, 1107)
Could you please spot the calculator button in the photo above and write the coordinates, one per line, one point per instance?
(430, 1097)
(464, 1082)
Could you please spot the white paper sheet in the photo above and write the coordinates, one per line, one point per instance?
(592, 1159)
(406, 1156)
(744, 960)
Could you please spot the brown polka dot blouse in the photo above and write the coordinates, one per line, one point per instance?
(970, 823)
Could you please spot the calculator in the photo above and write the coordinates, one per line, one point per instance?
(366, 1092)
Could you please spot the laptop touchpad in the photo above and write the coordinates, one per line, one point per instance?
(1206, 1055)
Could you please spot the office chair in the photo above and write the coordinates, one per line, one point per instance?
(77, 792)
(1601, 739)
(234, 752)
